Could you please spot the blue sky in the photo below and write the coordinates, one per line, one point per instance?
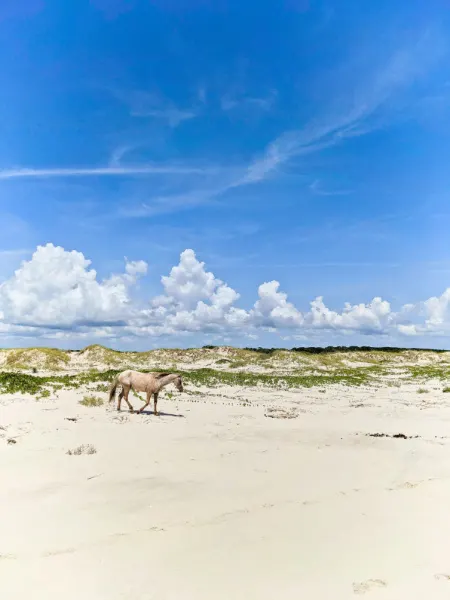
(303, 141)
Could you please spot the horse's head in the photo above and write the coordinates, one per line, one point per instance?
(178, 383)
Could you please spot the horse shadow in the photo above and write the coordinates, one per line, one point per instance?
(161, 414)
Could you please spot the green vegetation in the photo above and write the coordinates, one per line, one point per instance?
(334, 349)
(102, 387)
(247, 367)
(446, 390)
(33, 384)
(422, 391)
(91, 401)
(428, 371)
(44, 394)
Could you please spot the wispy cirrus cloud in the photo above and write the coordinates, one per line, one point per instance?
(317, 188)
(143, 104)
(111, 171)
(360, 110)
(172, 115)
(231, 102)
(7, 254)
(167, 203)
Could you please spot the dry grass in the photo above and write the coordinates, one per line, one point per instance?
(83, 449)
(91, 401)
(50, 359)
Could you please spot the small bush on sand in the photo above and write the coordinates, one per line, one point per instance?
(102, 387)
(446, 389)
(422, 391)
(83, 449)
(91, 401)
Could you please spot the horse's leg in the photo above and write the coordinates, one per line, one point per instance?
(149, 397)
(119, 399)
(155, 402)
(127, 391)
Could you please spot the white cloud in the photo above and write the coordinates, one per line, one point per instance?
(145, 104)
(231, 102)
(194, 299)
(273, 309)
(57, 295)
(437, 310)
(172, 115)
(374, 317)
(362, 109)
(136, 268)
(407, 330)
(57, 289)
(114, 170)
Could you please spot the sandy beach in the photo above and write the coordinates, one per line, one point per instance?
(234, 215)
(220, 498)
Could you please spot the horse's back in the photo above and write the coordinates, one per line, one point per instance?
(126, 377)
(139, 381)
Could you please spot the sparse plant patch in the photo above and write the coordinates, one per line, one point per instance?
(91, 401)
(83, 449)
(102, 387)
(44, 394)
(422, 391)
(446, 390)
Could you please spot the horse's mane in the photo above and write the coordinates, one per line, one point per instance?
(159, 375)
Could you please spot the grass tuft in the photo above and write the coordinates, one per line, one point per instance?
(83, 449)
(91, 401)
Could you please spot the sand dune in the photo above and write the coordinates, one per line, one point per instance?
(226, 498)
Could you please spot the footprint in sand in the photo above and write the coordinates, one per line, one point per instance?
(120, 419)
(366, 586)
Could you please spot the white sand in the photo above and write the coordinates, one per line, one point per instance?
(218, 501)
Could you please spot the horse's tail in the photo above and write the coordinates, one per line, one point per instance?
(112, 389)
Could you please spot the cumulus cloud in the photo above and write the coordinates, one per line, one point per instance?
(374, 317)
(194, 299)
(58, 289)
(57, 294)
(273, 309)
